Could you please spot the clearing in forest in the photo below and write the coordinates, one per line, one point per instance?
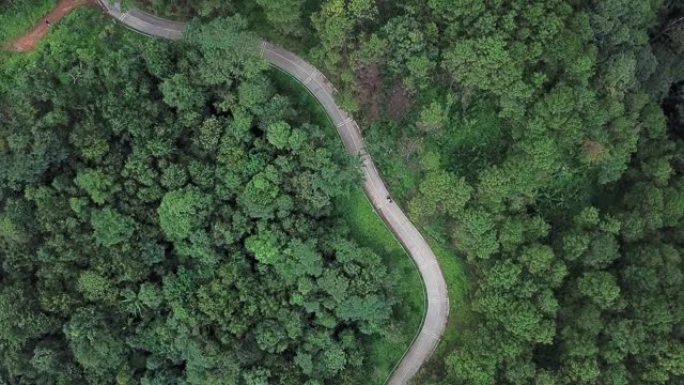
(30, 40)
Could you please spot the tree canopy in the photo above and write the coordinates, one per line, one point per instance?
(166, 217)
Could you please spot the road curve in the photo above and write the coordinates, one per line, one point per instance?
(437, 296)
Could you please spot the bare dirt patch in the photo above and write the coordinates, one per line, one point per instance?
(399, 103)
(369, 91)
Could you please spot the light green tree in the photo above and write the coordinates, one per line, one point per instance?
(111, 228)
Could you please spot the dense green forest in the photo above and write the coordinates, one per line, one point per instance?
(541, 140)
(168, 216)
(532, 136)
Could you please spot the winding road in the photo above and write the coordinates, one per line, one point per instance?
(437, 296)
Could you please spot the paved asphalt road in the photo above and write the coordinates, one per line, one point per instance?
(436, 288)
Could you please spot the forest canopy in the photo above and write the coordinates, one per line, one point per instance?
(538, 139)
(167, 217)
(539, 143)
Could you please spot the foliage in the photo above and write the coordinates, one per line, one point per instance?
(535, 142)
(167, 217)
(18, 16)
(540, 140)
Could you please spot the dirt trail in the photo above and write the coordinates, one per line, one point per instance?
(31, 39)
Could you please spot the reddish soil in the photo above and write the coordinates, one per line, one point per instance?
(30, 40)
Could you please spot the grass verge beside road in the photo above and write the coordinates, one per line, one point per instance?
(459, 314)
(403, 178)
(370, 231)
